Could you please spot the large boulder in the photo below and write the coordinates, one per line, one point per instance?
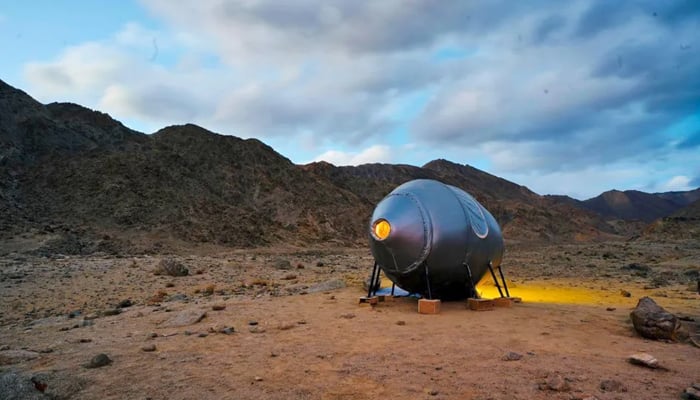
(653, 322)
(168, 266)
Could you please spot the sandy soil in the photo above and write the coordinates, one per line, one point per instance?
(313, 340)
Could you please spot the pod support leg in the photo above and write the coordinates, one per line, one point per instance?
(377, 281)
(375, 276)
(472, 286)
(503, 279)
(427, 282)
(495, 280)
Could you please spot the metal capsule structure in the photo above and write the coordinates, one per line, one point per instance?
(434, 239)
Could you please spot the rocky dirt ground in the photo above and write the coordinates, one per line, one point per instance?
(286, 324)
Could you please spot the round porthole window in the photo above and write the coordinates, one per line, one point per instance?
(381, 229)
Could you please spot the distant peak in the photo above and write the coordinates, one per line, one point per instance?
(440, 162)
(186, 130)
(319, 164)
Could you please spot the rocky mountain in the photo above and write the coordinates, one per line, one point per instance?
(80, 181)
(682, 224)
(636, 205)
(683, 199)
(522, 214)
(73, 172)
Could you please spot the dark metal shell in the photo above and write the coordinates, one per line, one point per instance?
(438, 228)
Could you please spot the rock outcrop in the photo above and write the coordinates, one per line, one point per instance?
(653, 322)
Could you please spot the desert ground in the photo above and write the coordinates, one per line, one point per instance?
(285, 323)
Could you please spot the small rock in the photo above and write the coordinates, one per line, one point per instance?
(289, 277)
(401, 323)
(152, 335)
(203, 334)
(256, 329)
(227, 330)
(98, 361)
(149, 348)
(556, 383)
(178, 297)
(347, 316)
(511, 356)
(252, 323)
(125, 303)
(612, 385)
(171, 267)
(282, 264)
(258, 379)
(74, 313)
(319, 263)
(218, 307)
(644, 359)
(285, 326)
(85, 340)
(301, 322)
(433, 392)
(111, 312)
(610, 309)
(625, 293)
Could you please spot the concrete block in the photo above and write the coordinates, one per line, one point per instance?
(480, 304)
(369, 300)
(503, 302)
(426, 306)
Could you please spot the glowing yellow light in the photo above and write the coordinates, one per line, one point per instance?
(381, 229)
(563, 292)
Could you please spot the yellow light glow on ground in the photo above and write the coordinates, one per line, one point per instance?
(577, 292)
(382, 229)
(542, 292)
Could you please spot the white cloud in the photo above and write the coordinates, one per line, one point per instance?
(555, 90)
(81, 71)
(373, 154)
(677, 183)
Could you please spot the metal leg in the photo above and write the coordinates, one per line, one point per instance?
(377, 281)
(393, 286)
(503, 279)
(372, 279)
(472, 287)
(495, 280)
(427, 281)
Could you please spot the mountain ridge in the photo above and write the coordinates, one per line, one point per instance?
(68, 171)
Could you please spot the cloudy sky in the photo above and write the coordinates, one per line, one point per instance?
(574, 97)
